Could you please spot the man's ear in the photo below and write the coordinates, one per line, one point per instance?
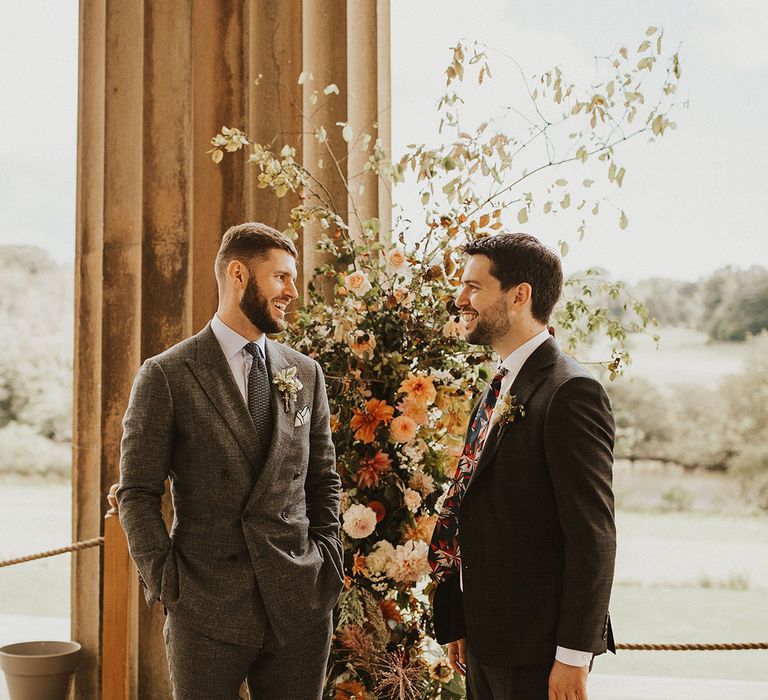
(520, 296)
(237, 274)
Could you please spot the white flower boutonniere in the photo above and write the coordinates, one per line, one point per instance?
(288, 385)
(507, 410)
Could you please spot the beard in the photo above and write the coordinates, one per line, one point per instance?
(257, 309)
(491, 324)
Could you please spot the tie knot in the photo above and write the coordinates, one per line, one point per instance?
(253, 349)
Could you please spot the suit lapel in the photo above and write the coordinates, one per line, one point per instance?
(531, 375)
(212, 371)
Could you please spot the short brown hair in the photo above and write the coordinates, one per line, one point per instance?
(250, 240)
(519, 257)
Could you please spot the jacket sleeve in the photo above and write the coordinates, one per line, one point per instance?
(323, 485)
(145, 459)
(578, 440)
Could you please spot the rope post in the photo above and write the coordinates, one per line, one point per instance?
(119, 632)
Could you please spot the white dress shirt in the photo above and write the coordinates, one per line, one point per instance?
(513, 363)
(232, 345)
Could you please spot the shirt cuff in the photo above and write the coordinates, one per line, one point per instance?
(572, 657)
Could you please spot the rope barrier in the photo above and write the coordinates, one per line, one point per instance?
(735, 646)
(692, 647)
(75, 547)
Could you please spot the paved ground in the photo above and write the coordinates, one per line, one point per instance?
(651, 688)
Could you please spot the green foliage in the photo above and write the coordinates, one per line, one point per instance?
(730, 304)
(36, 362)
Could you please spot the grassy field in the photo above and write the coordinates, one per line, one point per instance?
(684, 357)
(681, 577)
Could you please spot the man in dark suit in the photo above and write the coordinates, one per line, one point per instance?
(524, 549)
(252, 566)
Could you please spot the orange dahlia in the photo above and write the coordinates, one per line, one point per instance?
(419, 389)
(371, 468)
(350, 690)
(365, 423)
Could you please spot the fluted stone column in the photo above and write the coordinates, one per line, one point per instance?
(157, 80)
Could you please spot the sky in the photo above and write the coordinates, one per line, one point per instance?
(694, 200)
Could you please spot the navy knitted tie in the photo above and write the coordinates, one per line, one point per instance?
(259, 397)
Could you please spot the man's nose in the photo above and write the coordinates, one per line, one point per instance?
(293, 292)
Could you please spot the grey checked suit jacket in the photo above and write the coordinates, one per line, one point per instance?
(254, 535)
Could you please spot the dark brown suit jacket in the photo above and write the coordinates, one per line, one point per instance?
(536, 525)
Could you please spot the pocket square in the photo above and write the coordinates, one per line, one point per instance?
(302, 416)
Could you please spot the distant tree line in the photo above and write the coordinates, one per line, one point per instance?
(718, 428)
(730, 304)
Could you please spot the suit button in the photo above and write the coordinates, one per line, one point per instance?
(292, 554)
(284, 515)
(296, 475)
(224, 475)
(232, 557)
(246, 515)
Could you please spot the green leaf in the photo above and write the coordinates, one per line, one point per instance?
(563, 248)
(588, 183)
(522, 215)
(560, 182)
(650, 31)
(623, 221)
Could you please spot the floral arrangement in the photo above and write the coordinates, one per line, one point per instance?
(379, 318)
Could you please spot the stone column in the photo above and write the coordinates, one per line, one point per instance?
(157, 80)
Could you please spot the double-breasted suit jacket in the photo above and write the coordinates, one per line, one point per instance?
(536, 524)
(255, 532)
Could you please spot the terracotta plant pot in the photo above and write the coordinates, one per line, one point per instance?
(39, 670)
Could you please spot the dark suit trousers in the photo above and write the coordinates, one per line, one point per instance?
(506, 683)
(209, 669)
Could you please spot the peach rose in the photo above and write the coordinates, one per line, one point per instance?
(396, 258)
(412, 500)
(358, 283)
(402, 429)
(359, 521)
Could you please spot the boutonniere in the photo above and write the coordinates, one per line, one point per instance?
(288, 385)
(507, 410)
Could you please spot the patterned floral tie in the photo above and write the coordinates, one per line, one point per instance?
(259, 397)
(444, 555)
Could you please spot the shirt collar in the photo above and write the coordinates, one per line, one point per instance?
(231, 341)
(514, 362)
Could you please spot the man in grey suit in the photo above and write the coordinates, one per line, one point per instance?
(240, 425)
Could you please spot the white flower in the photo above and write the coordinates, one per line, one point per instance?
(423, 483)
(415, 451)
(379, 557)
(288, 384)
(359, 521)
(358, 283)
(409, 562)
(412, 500)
